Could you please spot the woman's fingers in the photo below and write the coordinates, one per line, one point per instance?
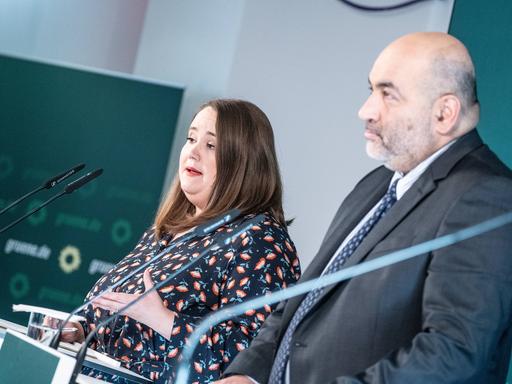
(119, 297)
(110, 305)
(148, 281)
(114, 301)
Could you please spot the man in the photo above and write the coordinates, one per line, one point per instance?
(442, 317)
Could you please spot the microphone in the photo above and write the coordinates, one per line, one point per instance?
(224, 239)
(63, 176)
(200, 230)
(333, 278)
(78, 183)
(50, 183)
(67, 190)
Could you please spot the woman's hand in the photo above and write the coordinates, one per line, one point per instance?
(150, 310)
(237, 379)
(73, 336)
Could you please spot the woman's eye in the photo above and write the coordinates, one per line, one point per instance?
(210, 146)
(191, 140)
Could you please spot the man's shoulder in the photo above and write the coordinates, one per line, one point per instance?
(486, 162)
(376, 176)
(470, 155)
(479, 167)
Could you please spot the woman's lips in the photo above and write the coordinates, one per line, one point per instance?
(193, 172)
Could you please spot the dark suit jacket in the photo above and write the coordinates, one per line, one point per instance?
(442, 317)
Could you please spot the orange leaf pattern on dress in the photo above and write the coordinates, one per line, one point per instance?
(253, 264)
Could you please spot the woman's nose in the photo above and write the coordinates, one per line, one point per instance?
(194, 151)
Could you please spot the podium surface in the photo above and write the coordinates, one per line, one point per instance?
(15, 347)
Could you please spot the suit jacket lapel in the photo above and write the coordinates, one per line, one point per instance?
(418, 191)
(353, 209)
(364, 197)
(414, 195)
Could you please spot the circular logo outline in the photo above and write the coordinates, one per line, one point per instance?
(69, 259)
(39, 216)
(121, 232)
(19, 291)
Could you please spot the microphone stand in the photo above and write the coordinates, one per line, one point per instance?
(46, 185)
(33, 210)
(26, 196)
(70, 188)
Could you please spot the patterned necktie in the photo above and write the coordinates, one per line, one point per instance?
(279, 367)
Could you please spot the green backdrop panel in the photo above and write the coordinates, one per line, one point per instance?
(484, 27)
(51, 118)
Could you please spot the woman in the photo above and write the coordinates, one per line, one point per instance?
(228, 161)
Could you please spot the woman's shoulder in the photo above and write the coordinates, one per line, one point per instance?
(266, 229)
(270, 242)
(148, 237)
(265, 221)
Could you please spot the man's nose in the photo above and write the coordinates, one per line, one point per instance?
(369, 111)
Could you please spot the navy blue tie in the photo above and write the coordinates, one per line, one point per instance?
(279, 367)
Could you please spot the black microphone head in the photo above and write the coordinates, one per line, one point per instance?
(78, 183)
(212, 225)
(244, 227)
(50, 183)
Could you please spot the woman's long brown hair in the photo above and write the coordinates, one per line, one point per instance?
(248, 176)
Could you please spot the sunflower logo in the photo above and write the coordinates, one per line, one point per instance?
(69, 259)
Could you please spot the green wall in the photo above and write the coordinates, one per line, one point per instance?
(485, 28)
(52, 118)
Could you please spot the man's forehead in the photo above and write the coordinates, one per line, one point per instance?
(383, 75)
(399, 71)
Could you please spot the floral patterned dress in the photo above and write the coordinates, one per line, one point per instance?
(259, 261)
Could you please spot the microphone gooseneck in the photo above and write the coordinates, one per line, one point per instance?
(50, 183)
(36, 209)
(68, 189)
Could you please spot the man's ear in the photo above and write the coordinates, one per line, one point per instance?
(446, 112)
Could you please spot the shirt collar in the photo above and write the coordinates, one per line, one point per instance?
(407, 180)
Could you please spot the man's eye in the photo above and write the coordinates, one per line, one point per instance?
(388, 95)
